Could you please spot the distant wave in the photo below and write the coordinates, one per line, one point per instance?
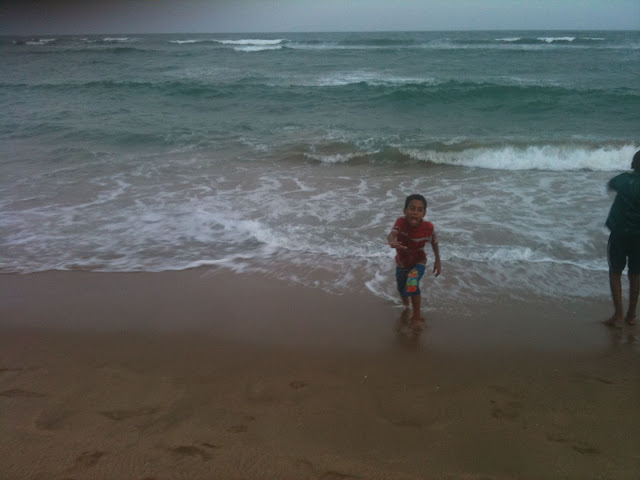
(257, 48)
(186, 42)
(448, 43)
(360, 42)
(239, 45)
(492, 157)
(379, 42)
(66, 43)
(41, 41)
(423, 84)
(537, 39)
(117, 39)
(253, 44)
(545, 157)
(382, 43)
(362, 77)
(33, 41)
(252, 41)
(512, 94)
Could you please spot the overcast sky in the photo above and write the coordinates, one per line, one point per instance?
(30, 17)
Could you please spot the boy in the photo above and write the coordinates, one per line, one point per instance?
(624, 242)
(409, 236)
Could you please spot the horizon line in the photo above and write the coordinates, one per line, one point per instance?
(329, 31)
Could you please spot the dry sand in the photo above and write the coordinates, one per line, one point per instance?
(209, 375)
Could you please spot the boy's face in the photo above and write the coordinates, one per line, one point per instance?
(415, 212)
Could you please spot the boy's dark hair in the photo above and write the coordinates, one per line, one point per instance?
(635, 163)
(415, 196)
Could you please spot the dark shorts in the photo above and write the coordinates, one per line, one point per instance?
(408, 280)
(623, 248)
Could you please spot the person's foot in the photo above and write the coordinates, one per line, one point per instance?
(417, 324)
(630, 320)
(404, 319)
(614, 321)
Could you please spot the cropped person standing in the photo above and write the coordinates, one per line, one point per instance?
(624, 241)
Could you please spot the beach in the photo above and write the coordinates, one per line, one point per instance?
(205, 374)
(195, 281)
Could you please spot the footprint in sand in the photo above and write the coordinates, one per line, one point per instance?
(210, 445)
(190, 451)
(298, 384)
(237, 428)
(509, 409)
(118, 415)
(333, 475)
(267, 390)
(580, 447)
(52, 419)
(585, 449)
(557, 438)
(87, 460)
(581, 377)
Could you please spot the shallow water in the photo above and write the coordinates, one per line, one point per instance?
(292, 155)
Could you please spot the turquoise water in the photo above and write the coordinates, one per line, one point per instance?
(291, 154)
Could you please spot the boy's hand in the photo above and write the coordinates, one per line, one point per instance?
(436, 268)
(392, 241)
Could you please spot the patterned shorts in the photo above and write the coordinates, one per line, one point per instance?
(408, 280)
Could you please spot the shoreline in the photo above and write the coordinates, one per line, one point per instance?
(255, 309)
(175, 375)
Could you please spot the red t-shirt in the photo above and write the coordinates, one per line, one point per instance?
(414, 239)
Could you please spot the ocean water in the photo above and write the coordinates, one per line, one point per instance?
(291, 155)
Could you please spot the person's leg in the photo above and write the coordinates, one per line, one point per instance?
(415, 305)
(634, 278)
(615, 283)
(634, 289)
(413, 290)
(401, 282)
(617, 259)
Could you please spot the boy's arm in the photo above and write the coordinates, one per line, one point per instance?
(436, 252)
(392, 240)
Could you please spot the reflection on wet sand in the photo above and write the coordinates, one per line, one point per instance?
(408, 331)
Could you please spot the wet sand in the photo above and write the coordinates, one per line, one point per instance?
(204, 374)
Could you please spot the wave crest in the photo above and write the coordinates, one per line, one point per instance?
(545, 157)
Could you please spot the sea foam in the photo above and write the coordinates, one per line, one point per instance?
(549, 157)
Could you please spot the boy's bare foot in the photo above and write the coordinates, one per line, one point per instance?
(403, 321)
(630, 320)
(614, 321)
(417, 324)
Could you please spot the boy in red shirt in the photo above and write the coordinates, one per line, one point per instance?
(409, 236)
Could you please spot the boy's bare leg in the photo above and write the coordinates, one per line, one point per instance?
(615, 282)
(405, 301)
(634, 290)
(415, 305)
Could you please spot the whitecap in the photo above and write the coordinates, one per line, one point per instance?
(509, 39)
(556, 39)
(256, 48)
(548, 157)
(40, 41)
(338, 79)
(250, 41)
